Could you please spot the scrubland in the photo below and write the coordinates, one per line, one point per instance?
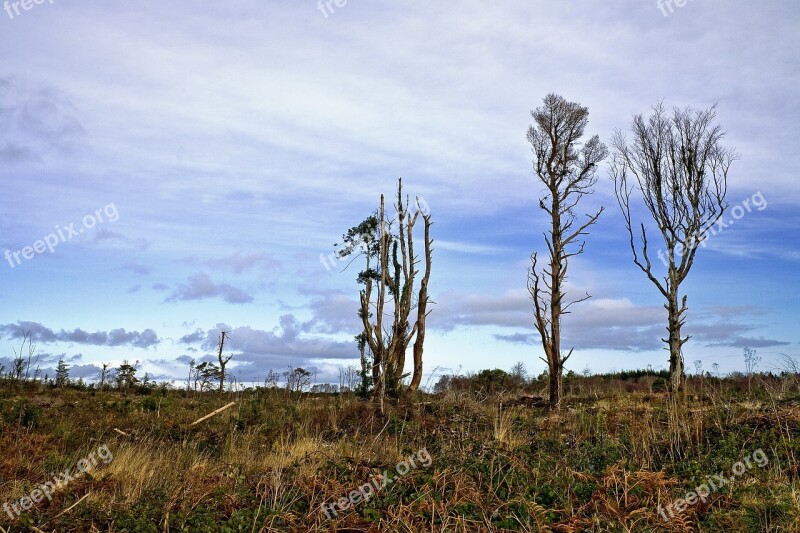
(613, 458)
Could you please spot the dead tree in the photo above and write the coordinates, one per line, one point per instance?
(21, 365)
(390, 278)
(104, 375)
(679, 167)
(401, 288)
(567, 171)
(222, 360)
(422, 306)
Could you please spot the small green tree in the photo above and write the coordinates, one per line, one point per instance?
(493, 381)
(126, 375)
(208, 374)
(62, 374)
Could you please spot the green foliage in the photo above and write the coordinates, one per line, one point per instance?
(150, 404)
(584, 491)
(126, 376)
(365, 373)
(365, 237)
(661, 384)
(485, 381)
(630, 375)
(546, 495)
(24, 413)
(62, 374)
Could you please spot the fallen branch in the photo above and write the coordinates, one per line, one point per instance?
(120, 432)
(68, 509)
(212, 414)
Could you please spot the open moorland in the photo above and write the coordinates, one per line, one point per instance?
(481, 454)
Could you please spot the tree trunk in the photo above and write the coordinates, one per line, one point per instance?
(379, 352)
(555, 384)
(675, 342)
(422, 306)
(556, 278)
(222, 362)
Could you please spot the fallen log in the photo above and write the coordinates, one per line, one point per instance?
(218, 411)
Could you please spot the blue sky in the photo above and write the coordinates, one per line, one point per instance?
(213, 152)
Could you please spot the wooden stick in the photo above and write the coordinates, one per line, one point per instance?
(120, 432)
(212, 414)
(68, 509)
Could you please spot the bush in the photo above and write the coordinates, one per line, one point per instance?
(24, 413)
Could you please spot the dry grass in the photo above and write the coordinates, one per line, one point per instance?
(140, 467)
(270, 462)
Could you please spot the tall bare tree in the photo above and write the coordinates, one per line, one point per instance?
(21, 365)
(390, 279)
(104, 375)
(567, 170)
(680, 168)
(222, 360)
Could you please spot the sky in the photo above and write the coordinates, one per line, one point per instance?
(189, 166)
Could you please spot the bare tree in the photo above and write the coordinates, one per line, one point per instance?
(271, 381)
(222, 360)
(422, 298)
(679, 167)
(22, 363)
(297, 380)
(191, 380)
(349, 379)
(194, 375)
(389, 280)
(567, 171)
(353, 378)
(520, 374)
(104, 375)
(751, 360)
